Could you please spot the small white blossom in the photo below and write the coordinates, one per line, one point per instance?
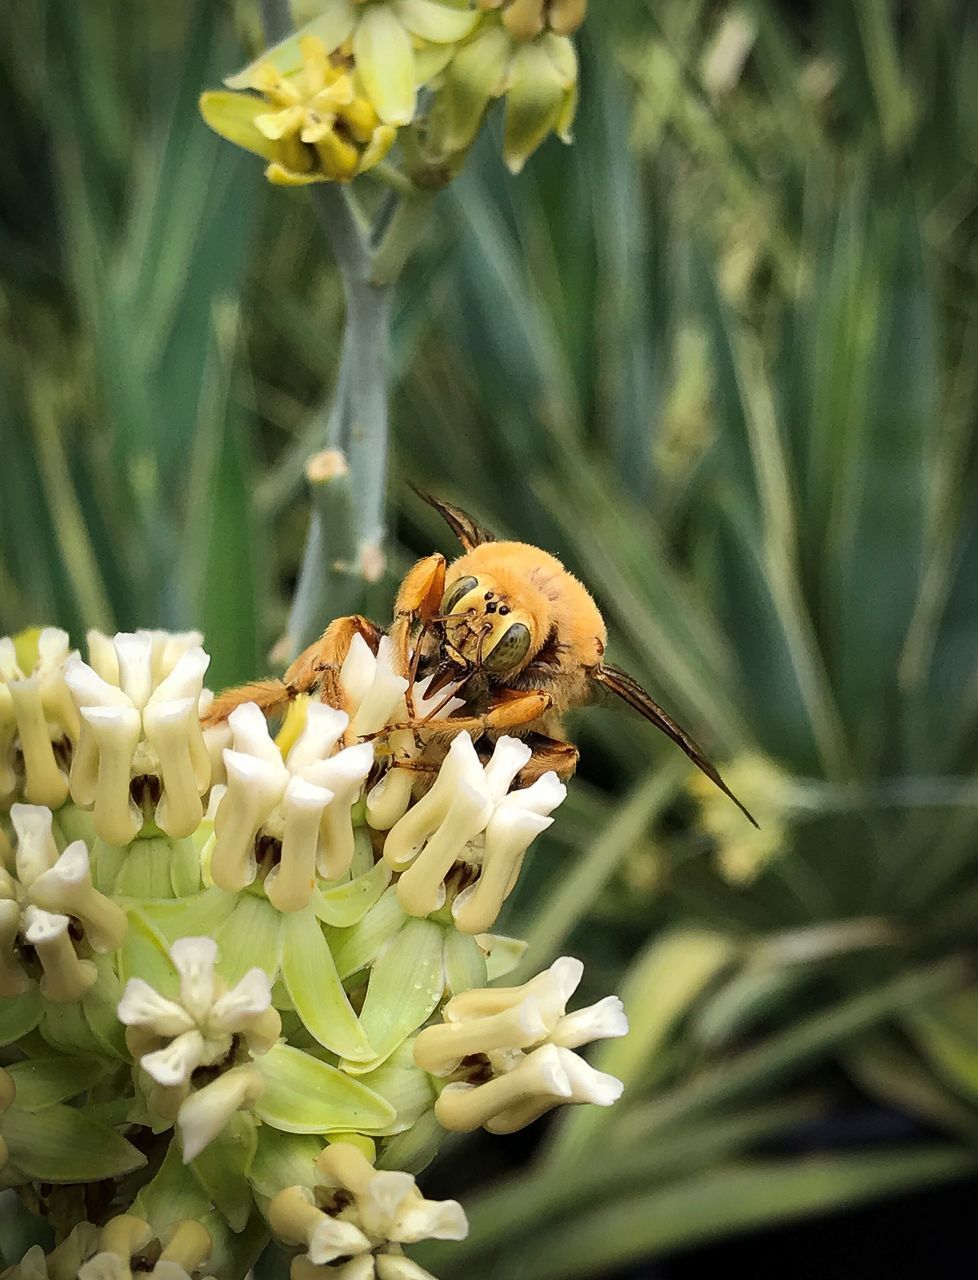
(38, 905)
(139, 700)
(38, 722)
(470, 816)
(186, 1248)
(376, 696)
(304, 802)
(207, 1026)
(378, 1212)
(526, 1039)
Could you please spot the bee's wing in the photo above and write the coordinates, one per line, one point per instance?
(461, 524)
(630, 691)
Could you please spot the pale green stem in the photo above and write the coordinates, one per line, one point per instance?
(344, 545)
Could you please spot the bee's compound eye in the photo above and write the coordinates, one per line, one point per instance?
(510, 651)
(456, 591)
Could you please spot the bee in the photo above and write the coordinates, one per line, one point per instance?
(506, 630)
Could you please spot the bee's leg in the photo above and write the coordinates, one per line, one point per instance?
(330, 650)
(549, 755)
(271, 696)
(510, 710)
(418, 600)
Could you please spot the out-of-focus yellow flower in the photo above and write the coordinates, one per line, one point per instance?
(537, 76)
(313, 124)
(744, 851)
(396, 46)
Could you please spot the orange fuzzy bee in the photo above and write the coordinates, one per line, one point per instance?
(506, 629)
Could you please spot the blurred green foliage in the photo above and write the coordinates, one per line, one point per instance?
(721, 357)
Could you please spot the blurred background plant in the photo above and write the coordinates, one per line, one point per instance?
(721, 357)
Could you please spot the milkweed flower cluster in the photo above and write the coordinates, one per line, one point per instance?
(329, 102)
(248, 980)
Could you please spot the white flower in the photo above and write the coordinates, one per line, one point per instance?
(38, 905)
(526, 1038)
(207, 1026)
(38, 721)
(139, 700)
(381, 1210)
(470, 816)
(303, 802)
(376, 696)
(186, 1248)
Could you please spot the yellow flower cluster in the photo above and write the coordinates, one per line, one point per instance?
(315, 125)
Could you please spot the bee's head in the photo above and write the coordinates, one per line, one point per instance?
(488, 625)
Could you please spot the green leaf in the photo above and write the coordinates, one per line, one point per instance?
(316, 991)
(304, 1095)
(61, 1144)
(405, 987)
(659, 989)
(735, 1198)
(41, 1082)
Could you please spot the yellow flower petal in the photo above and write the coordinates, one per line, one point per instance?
(281, 177)
(276, 125)
(384, 57)
(380, 144)
(233, 116)
(333, 26)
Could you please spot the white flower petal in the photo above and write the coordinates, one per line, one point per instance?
(250, 997)
(142, 1006)
(176, 1062)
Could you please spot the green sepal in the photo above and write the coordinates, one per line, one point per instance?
(333, 25)
(172, 1194)
(283, 1160)
(250, 938)
(71, 824)
(145, 954)
(199, 916)
(223, 1170)
(477, 73)
(62, 1144)
(465, 963)
(185, 868)
(405, 986)
(384, 56)
(503, 955)
(145, 873)
(42, 1082)
(304, 1095)
(414, 1149)
(534, 104)
(354, 949)
(345, 905)
(316, 991)
(405, 1086)
(89, 1026)
(438, 23)
(19, 1015)
(106, 861)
